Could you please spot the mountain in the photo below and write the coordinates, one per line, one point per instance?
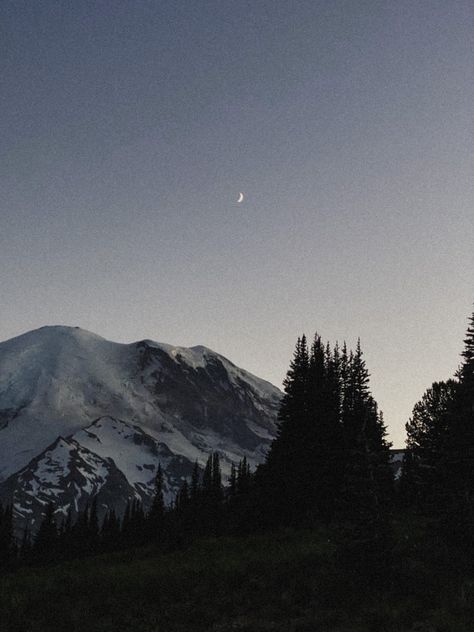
(69, 476)
(396, 460)
(82, 416)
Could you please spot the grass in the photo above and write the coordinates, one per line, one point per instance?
(290, 581)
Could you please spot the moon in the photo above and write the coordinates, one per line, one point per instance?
(241, 198)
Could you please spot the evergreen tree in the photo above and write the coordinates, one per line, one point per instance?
(156, 514)
(195, 484)
(46, 540)
(458, 465)
(232, 481)
(195, 495)
(207, 477)
(323, 437)
(427, 433)
(7, 541)
(467, 369)
(217, 478)
(24, 552)
(125, 525)
(182, 518)
(211, 497)
(110, 531)
(243, 479)
(368, 476)
(94, 521)
(331, 454)
(82, 539)
(281, 480)
(138, 528)
(183, 498)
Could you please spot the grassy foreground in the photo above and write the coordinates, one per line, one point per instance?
(288, 582)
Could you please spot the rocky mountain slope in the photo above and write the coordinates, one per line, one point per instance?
(81, 416)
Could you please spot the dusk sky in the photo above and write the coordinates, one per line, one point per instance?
(128, 129)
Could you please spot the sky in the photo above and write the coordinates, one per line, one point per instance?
(128, 129)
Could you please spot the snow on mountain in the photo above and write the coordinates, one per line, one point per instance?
(73, 470)
(136, 454)
(129, 405)
(67, 475)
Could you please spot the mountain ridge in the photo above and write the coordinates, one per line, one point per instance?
(134, 403)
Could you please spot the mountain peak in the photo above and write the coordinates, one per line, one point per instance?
(51, 334)
(58, 380)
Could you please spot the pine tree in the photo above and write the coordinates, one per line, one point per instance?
(81, 540)
(156, 515)
(7, 541)
(243, 479)
(359, 487)
(211, 497)
(427, 434)
(207, 477)
(110, 531)
(331, 450)
(25, 544)
(323, 436)
(467, 370)
(280, 482)
(368, 476)
(195, 484)
(218, 496)
(232, 481)
(138, 531)
(195, 495)
(94, 520)
(183, 499)
(46, 540)
(125, 525)
(458, 464)
(217, 478)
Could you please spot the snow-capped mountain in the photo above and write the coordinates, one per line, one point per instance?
(69, 476)
(82, 416)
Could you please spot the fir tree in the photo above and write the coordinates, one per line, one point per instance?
(232, 481)
(280, 478)
(7, 542)
(195, 484)
(243, 479)
(207, 477)
(427, 434)
(24, 552)
(110, 531)
(156, 514)
(467, 370)
(458, 464)
(46, 540)
(324, 437)
(211, 501)
(183, 498)
(93, 521)
(125, 525)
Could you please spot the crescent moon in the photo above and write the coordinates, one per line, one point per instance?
(241, 198)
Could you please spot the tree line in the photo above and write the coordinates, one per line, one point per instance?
(329, 466)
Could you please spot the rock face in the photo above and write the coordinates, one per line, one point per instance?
(81, 417)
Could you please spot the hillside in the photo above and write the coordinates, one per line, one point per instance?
(81, 416)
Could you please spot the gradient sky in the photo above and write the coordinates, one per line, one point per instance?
(128, 128)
